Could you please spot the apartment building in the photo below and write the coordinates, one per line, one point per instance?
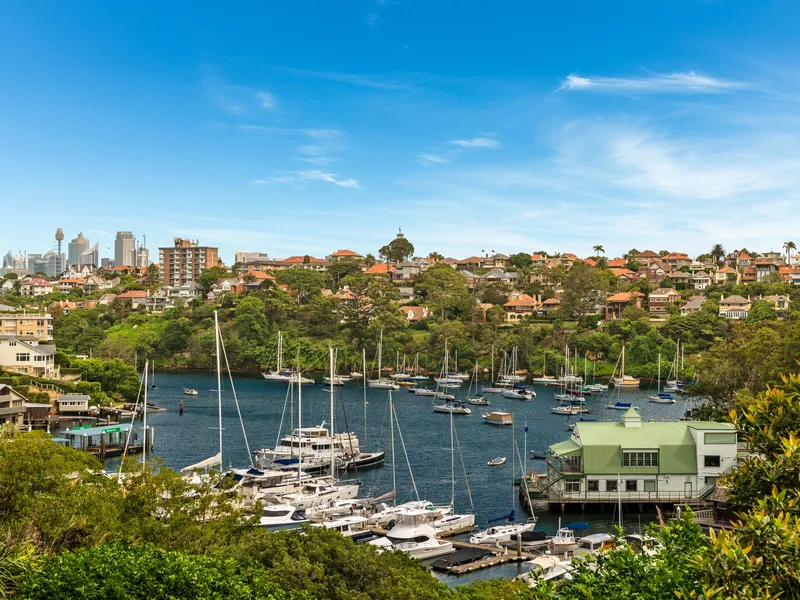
(27, 324)
(184, 261)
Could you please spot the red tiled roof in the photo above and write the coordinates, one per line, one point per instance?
(520, 300)
(260, 275)
(133, 294)
(623, 297)
(535, 257)
(302, 259)
(381, 269)
(617, 262)
(471, 260)
(417, 313)
(570, 256)
(647, 254)
(591, 262)
(342, 253)
(744, 256)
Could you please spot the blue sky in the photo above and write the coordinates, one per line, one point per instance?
(302, 127)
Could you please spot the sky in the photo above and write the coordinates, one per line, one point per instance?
(301, 127)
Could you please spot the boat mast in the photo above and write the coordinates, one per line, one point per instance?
(144, 420)
(364, 370)
(333, 411)
(658, 383)
(394, 464)
(380, 353)
(622, 367)
(299, 422)
(513, 463)
(452, 467)
(219, 386)
(280, 351)
(619, 499)
(492, 365)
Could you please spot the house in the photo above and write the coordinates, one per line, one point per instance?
(7, 285)
(538, 260)
(749, 275)
(305, 262)
(776, 258)
(35, 286)
(616, 303)
(726, 274)
(499, 261)
(780, 303)
(734, 307)
(786, 274)
(765, 269)
(27, 356)
(680, 279)
(384, 269)
(415, 314)
(637, 460)
(67, 284)
(22, 323)
(158, 302)
(701, 280)
(473, 262)
(71, 404)
(188, 290)
(739, 260)
(590, 261)
(407, 293)
(693, 305)
(63, 306)
(340, 255)
(647, 257)
(408, 270)
(498, 276)
(676, 260)
(107, 299)
(617, 263)
(550, 305)
(95, 283)
(12, 405)
(659, 299)
(137, 298)
(625, 275)
(520, 306)
(656, 272)
(254, 280)
(226, 285)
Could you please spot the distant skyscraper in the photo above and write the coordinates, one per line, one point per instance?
(125, 249)
(75, 250)
(106, 263)
(142, 257)
(8, 260)
(91, 256)
(36, 263)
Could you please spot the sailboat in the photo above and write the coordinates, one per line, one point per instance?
(281, 374)
(505, 533)
(672, 382)
(451, 405)
(153, 385)
(545, 378)
(476, 400)
(625, 381)
(382, 383)
(493, 389)
(511, 377)
(661, 397)
(415, 372)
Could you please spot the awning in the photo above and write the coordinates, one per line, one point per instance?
(209, 462)
(567, 448)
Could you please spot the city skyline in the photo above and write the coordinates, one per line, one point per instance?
(537, 127)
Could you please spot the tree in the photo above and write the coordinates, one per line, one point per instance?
(444, 288)
(369, 260)
(152, 278)
(208, 277)
(304, 283)
(718, 254)
(598, 249)
(340, 269)
(435, 256)
(761, 311)
(398, 250)
(521, 260)
(789, 248)
(584, 291)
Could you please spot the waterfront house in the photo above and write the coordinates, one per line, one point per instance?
(26, 355)
(35, 286)
(637, 461)
(765, 269)
(340, 255)
(734, 307)
(12, 405)
(520, 306)
(659, 299)
(415, 314)
(692, 306)
(73, 404)
(616, 303)
(701, 280)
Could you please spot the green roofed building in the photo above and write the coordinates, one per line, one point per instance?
(637, 461)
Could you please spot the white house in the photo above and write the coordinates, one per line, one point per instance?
(26, 355)
(73, 403)
(35, 286)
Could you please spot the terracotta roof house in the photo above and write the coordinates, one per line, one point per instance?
(415, 314)
(67, 283)
(647, 257)
(616, 303)
(726, 275)
(617, 263)
(658, 300)
(500, 261)
(680, 279)
(344, 255)
(701, 280)
(449, 261)
(734, 307)
(765, 268)
(693, 305)
(625, 275)
(590, 261)
(314, 264)
(520, 306)
(549, 305)
(35, 286)
(749, 275)
(136, 297)
(63, 305)
(382, 269)
(473, 262)
(655, 272)
(676, 260)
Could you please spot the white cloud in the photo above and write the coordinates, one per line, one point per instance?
(478, 142)
(429, 160)
(266, 100)
(650, 82)
(237, 99)
(370, 81)
(301, 177)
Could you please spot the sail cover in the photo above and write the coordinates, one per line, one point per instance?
(209, 462)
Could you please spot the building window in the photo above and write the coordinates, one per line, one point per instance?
(23, 357)
(611, 485)
(12, 343)
(649, 485)
(636, 458)
(630, 485)
(711, 461)
(593, 485)
(572, 486)
(710, 480)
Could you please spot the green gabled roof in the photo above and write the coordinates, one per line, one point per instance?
(631, 412)
(566, 448)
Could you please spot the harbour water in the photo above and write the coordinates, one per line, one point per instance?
(192, 437)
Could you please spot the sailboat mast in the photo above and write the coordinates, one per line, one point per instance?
(513, 463)
(394, 463)
(333, 412)
(622, 366)
(658, 383)
(364, 370)
(280, 351)
(452, 467)
(144, 420)
(299, 422)
(219, 386)
(492, 364)
(380, 354)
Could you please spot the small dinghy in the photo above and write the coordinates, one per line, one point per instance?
(496, 462)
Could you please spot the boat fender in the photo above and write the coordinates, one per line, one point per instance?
(391, 524)
(258, 464)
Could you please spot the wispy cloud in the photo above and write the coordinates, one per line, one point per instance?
(319, 147)
(372, 19)
(649, 82)
(301, 177)
(428, 160)
(478, 142)
(385, 82)
(237, 99)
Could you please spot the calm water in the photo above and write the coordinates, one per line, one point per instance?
(184, 440)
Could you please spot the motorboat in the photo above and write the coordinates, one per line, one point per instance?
(547, 380)
(492, 390)
(498, 417)
(519, 394)
(281, 516)
(190, 391)
(310, 443)
(414, 535)
(598, 387)
(565, 409)
(563, 541)
(501, 533)
(453, 523)
(354, 527)
(544, 568)
(594, 543)
(383, 384)
(386, 515)
(662, 398)
(422, 391)
(626, 381)
(496, 462)
(320, 492)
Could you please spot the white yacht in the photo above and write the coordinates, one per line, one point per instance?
(563, 541)
(382, 383)
(309, 444)
(386, 515)
(452, 407)
(281, 516)
(350, 526)
(414, 535)
(544, 568)
(501, 533)
(519, 394)
(320, 491)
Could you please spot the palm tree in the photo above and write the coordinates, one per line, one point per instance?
(598, 249)
(717, 253)
(789, 247)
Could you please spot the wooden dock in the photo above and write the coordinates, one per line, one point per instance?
(492, 561)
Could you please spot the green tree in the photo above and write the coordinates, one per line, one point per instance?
(208, 277)
(398, 250)
(521, 260)
(176, 337)
(369, 260)
(761, 311)
(718, 254)
(304, 283)
(789, 248)
(584, 291)
(598, 249)
(436, 256)
(340, 269)
(444, 289)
